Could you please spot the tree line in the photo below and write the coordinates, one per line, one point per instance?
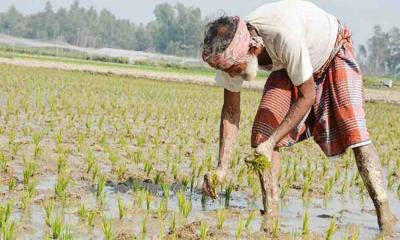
(176, 30)
(382, 55)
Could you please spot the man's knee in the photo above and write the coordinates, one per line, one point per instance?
(364, 151)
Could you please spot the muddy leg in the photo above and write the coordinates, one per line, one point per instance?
(270, 187)
(370, 169)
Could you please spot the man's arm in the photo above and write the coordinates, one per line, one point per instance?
(230, 118)
(297, 111)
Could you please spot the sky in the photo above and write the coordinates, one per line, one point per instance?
(359, 15)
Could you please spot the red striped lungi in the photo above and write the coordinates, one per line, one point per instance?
(337, 119)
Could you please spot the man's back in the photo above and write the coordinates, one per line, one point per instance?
(293, 24)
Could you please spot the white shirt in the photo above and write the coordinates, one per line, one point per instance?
(298, 36)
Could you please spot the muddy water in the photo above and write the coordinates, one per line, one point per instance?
(350, 211)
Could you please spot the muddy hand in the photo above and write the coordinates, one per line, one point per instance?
(208, 188)
(266, 148)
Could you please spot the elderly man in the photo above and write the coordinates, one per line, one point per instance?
(314, 90)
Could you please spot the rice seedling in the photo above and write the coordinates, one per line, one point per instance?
(121, 171)
(204, 231)
(48, 207)
(60, 187)
(257, 163)
(148, 200)
(90, 160)
(239, 229)
(91, 217)
(173, 224)
(185, 181)
(61, 163)
(185, 206)
(305, 229)
(3, 162)
(331, 230)
(82, 212)
(121, 208)
(8, 231)
(29, 172)
(249, 219)
(107, 227)
(148, 167)
(5, 213)
(221, 216)
(56, 226)
(66, 233)
(275, 229)
(25, 200)
(12, 184)
(159, 178)
(228, 192)
(144, 228)
(100, 190)
(161, 210)
(95, 172)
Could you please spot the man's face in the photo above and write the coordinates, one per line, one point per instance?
(247, 69)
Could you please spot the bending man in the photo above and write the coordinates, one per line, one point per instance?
(314, 90)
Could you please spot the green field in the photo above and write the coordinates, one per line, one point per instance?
(86, 156)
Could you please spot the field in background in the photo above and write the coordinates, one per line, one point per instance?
(94, 156)
(130, 60)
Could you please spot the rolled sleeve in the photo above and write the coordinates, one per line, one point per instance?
(296, 59)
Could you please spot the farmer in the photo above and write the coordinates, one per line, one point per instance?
(314, 90)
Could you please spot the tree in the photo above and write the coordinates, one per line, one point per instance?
(13, 22)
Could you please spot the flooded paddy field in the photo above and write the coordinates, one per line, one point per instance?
(86, 156)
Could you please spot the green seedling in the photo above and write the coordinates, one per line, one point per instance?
(100, 190)
(12, 184)
(144, 228)
(249, 220)
(121, 171)
(204, 231)
(161, 210)
(148, 200)
(56, 226)
(121, 208)
(331, 230)
(305, 229)
(91, 217)
(61, 187)
(3, 162)
(173, 224)
(107, 229)
(29, 172)
(90, 160)
(48, 207)
(82, 212)
(220, 218)
(185, 206)
(239, 229)
(61, 163)
(228, 192)
(257, 163)
(66, 233)
(275, 229)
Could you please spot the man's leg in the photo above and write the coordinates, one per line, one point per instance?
(269, 181)
(370, 169)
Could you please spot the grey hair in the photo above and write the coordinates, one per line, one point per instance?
(214, 41)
